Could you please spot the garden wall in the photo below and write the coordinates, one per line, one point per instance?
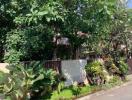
(74, 71)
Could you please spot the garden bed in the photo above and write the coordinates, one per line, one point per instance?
(74, 92)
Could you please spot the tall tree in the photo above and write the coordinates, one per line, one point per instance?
(30, 25)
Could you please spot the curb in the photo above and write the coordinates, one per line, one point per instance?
(104, 91)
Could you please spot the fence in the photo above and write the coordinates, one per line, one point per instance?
(53, 64)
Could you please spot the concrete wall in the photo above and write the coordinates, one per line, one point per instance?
(73, 70)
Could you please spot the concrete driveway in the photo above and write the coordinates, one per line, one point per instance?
(118, 93)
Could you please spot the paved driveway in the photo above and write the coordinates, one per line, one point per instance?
(120, 93)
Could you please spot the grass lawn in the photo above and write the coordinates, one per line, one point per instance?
(72, 92)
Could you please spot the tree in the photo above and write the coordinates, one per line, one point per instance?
(34, 23)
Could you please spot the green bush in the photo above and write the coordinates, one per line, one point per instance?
(111, 67)
(123, 67)
(114, 81)
(95, 72)
(68, 93)
(24, 82)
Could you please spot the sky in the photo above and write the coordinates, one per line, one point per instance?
(129, 4)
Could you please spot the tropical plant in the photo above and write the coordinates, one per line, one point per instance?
(111, 67)
(28, 27)
(95, 72)
(123, 67)
(24, 82)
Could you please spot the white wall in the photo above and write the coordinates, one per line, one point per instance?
(73, 70)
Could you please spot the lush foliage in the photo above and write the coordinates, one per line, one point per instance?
(74, 92)
(28, 27)
(111, 67)
(95, 72)
(123, 67)
(118, 67)
(114, 81)
(99, 73)
(25, 82)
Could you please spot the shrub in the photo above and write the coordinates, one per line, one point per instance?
(115, 80)
(123, 67)
(111, 67)
(23, 82)
(95, 72)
